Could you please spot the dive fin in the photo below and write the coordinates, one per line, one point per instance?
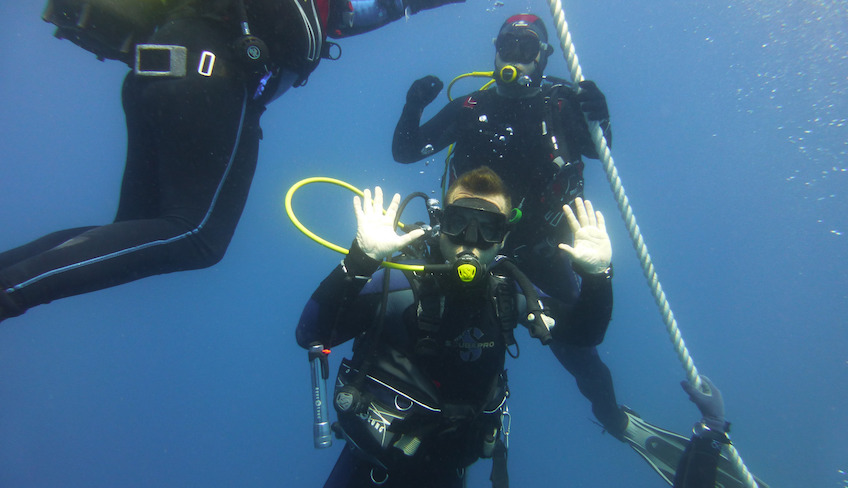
(662, 449)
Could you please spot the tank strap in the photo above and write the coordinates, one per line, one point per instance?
(429, 306)
(506, 308)
(566, 171)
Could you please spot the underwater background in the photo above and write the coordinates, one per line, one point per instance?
(730, 136)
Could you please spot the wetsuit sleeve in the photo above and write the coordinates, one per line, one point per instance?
(697, 466)
(584, 323)
(338, 310)
(410, 140)
(353, 17)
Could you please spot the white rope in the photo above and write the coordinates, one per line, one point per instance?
(570, 55)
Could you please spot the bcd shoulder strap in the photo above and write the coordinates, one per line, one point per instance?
(506, 307)
(566, 181)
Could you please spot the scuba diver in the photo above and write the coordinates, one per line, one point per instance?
(531, 131)
(424, 395)
(202, 74)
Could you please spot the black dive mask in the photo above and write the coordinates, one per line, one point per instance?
(475, 222)
(514, 48)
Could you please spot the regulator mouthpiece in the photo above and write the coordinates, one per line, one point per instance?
(467, 269)
(508, 73)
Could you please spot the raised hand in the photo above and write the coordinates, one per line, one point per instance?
(591, 250)
(375, 231)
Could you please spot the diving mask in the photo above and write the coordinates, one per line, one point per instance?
(519, 48)
(474, 221)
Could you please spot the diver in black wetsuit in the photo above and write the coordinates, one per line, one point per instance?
(532, 133)
(192, 108)
(424, 394)
(510, 129)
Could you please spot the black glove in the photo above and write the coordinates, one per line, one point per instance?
(418, 5)
(424, 91)
(592, 101)
(709, 402)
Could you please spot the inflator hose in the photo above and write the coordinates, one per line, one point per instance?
(322, 241)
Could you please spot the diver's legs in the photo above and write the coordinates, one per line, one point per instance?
(192, 149)
(595, 383)
(550, 269)
(38, 246)
(8, 307)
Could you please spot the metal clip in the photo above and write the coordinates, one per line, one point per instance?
(506, 425)
(554, 218)
(206, 64)
(160, 60)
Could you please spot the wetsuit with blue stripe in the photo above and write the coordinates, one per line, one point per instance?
(192, 148)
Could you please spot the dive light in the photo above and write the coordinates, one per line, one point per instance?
(319, 366)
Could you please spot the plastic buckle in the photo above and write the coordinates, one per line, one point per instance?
(160, 60)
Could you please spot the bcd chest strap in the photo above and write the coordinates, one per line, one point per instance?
(430, 307)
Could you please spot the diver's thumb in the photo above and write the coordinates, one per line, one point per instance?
(408, 239)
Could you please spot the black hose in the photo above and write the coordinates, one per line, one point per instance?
(538, 329)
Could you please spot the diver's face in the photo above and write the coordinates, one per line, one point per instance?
(451, 248)
(520, 49)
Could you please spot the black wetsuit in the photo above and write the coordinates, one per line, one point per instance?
(507, 134)
(462, 374)
(192, 147)
(697, 467)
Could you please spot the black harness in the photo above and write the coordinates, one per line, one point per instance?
(566, 165)
(430, 304)
(387, 407)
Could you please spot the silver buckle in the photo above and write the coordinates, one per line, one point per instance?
(206, 64)
(148, 60)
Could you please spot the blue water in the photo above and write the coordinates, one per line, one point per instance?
(730, 137)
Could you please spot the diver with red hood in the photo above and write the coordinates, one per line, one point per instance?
(532, 131)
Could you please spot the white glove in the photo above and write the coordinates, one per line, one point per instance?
(591, 251)
(374, 232)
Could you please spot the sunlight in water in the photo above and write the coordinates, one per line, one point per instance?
(801, 74)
